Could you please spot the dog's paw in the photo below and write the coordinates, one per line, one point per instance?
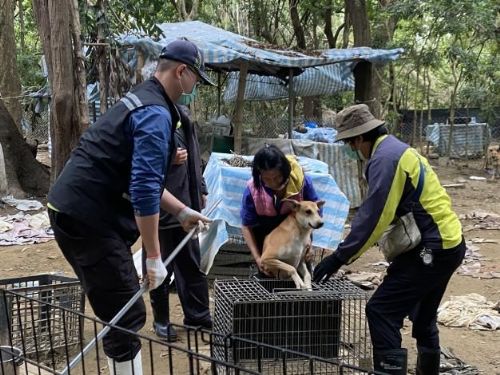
(306, 286)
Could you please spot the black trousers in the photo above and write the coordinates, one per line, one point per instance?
(104, 265)
(412, 289)
(190, 282)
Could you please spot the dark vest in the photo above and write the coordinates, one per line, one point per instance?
(93, 187)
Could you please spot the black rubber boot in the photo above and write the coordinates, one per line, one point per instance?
(428, 361)
(159, 304)
(391, 362)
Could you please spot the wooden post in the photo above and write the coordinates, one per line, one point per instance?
(363, 85)
(238, 111)
(219, 93)
(291, 99)
(139, 66)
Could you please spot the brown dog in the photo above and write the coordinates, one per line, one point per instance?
(285, 247)
(493, 161)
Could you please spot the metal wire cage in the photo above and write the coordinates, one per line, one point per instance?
(327, 322)
(198, 352)
(52, 328)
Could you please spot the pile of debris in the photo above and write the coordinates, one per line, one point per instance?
(237, 161)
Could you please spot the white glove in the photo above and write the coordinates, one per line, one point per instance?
(156, 272)
(190, 218)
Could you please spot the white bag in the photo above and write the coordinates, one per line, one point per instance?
(401, 236)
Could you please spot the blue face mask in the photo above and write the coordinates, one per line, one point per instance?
(187, 99)
(351, 154)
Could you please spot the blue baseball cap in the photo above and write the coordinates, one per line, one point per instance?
(186, 52)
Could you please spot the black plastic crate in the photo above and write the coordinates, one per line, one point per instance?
(44, 324)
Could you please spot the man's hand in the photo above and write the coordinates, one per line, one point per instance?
(181, 156)
(190, 218)
(156, 272)
(326, 268)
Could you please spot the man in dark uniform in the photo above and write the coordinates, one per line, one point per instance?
(111, 190)
(186, 183)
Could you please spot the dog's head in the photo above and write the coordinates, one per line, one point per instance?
(307, 213)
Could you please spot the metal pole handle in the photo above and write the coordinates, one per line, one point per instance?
(135, 297)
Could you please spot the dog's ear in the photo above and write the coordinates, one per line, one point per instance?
(292, 203)
(320, 204)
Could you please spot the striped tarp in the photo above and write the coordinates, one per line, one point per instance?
(322, 80)
(224, 50)
(227, 184)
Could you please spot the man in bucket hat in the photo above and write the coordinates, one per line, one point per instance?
(400, 181)
(111, 190)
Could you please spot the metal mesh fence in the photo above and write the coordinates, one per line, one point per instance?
(470, 137)
(35, 118)
(472, 132)
(200, 352)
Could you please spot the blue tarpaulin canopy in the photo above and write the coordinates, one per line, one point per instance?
(225, 51)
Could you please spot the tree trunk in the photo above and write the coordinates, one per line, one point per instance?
(22, 26)
(298, 30)
(309, 102)
(347, 29)
(189, 12)
(358, 16)
(327, 17)
(364, 91)
(415, 105)
(24, 173)
(102, 57)
(428, 96)
(238, 111)
(60, 33)
(10, 85)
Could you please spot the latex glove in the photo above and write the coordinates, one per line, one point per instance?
(156, 272)
(326, 268)
(190, 218)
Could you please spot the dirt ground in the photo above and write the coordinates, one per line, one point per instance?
(478, 348)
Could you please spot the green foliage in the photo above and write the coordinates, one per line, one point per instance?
(28, 58)
(451, 40)
(450, 45)
(30, 72)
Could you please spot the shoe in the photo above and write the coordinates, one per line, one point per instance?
(165, 331)
(206, 323)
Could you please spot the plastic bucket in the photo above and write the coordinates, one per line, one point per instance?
(10, 359)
